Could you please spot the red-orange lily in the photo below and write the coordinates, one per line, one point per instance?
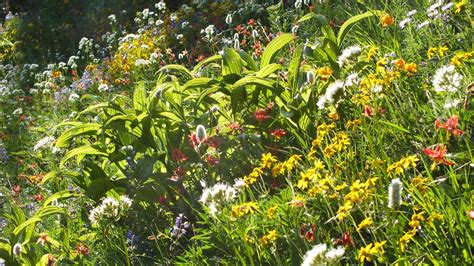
(438, 154)
(451, 125)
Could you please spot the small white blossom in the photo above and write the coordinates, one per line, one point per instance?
(395, 194)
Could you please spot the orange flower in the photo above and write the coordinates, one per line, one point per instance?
(450, 126)
(43, 239)
(438, 154)
(386, 20)
(411, 68)
(83, 249)
(400, 63)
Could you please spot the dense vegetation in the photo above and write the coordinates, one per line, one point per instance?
(300, 132)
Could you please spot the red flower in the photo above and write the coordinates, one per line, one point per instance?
(38, 197)
(450, 126)
(368, 111)
(437, 154)
(251, 22)
(16, 189)
(211, 160)
(261, 115)
(239, 28)
(278, 133)
(307, 231)
(82, 249)
(235, 127)
(178, 156)
(346, 240)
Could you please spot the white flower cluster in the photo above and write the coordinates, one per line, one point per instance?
(395, 194)
(406, 21)
(209, 31)
(161, 5)
(216, 196)
(333, 93)
(46, 143)
(86, 44)
(320, 255)
(446, 79)
(110, 209)
(349, 55)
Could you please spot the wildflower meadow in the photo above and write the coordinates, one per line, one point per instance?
(296, 132)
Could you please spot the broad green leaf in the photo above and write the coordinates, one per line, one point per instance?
(60, 195)
(268, 70)
(44, 211)
(250, 80)
(198, 83)
(78, 130)
(273, 47)
(231, 65)
(294, 69)
(345, 28)
(202, 96)
(84, 150)
(213, 58)
(179, 68)
(139, 97)
(251, 65)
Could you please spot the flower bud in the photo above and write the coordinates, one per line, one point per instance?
(201, 133)
(395, 194)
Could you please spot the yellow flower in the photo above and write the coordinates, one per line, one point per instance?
(411, 68)
(243, 209)
(278, 169)
(459, 6)
(433, 217)
(249, 239)
(441, 50)
(354, 123)
(292, 162)
(386, 20)
(325, 72)
(406, 238)
(431, 52)
(267, 160)
(365, 223)
(344, 210)
(416, 219)
(271, 212)
(420, 183)
(400, 63)
(268, 238)
(372, 52)
(410, 161)
(297, 201)
(252, 177)
(366, 253)
(371, 182)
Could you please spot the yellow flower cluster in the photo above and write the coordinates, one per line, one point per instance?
(432, 51)
(461, 57)
(403, 164)
(252, 177)
(340, 142)
(286, 166)
(420, 183)
(268, 238)
(367, 222)
(368, 252)
(311, 175)
(415, 222)
(271, 212)
(358, 193)
(243, 209)
(133, 49)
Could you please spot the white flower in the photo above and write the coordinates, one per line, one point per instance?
(161, 5)
(18, 112)
(298, 4)
(446, 79)
(46, 141)
(404, 22)
(17, 249)
(146, 12)
(315, 255)
(112, 18)
(201, 133)
(73, 97)
(447, 6)
(110, 207)
(333, 91)
(411, 13)
(395, 194)
(255, 34)
(334, 254)
(179, 36)
(159, 22)
(239, 184)
(352, 80)
(141, 62)
(376, 89)
(184, 24)
(294, 30)
(321, 102)
(236, 44)
(217, 196)
(209, 30)
(449, 104)
(310, 77)
(95, 215)
(103, 88)
(228, 19)
(125, 202)
(349, 55)
(424, 24)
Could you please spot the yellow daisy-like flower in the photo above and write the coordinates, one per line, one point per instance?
(365, 223)
(411, 68)
(243, 209)
(459, 6)
(268, 238)
(431, 52)
(406, 238)
(267, 160)
(441, 50)
(372, 52)
(271, 212)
